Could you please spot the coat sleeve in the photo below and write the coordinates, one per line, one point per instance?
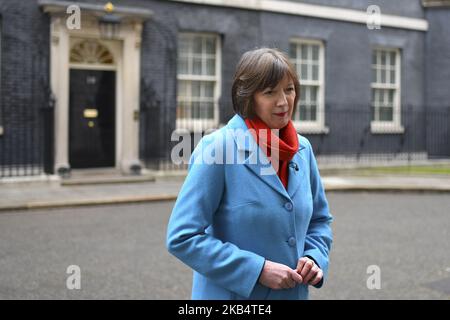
(200, 196)
(319, 235)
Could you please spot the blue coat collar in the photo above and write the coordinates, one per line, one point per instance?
(257, 162)
(237, 122)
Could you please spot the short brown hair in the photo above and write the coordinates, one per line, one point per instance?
(257, 70)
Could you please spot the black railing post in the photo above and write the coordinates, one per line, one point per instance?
(409, 130)
(447, 120)
(48, 113)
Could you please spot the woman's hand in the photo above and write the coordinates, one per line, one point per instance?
(279, 276)
(310, 272)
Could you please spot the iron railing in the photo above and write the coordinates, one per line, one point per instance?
(26, 145)
(347, 135)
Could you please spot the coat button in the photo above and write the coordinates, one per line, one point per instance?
(288, 206)
(292, 242)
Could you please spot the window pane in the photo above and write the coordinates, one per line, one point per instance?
(208, 89)
(383, 100)
(210, 45)
(182, 89)
(385, 114)
(195, 88)
(374, 57)
(183, 65)
(297, 69)
(381, 96)
(302, 115)
(383, 58)
(308, 112)
(392, 58)
(208, 110)
(293, 50)
(186, 109)
(196, 66)
(391, 97)
(195, 113)
(374, 75)
(392, 74)
(197, 45)
(386, 97)
(202, 110)
(313, 94)
(307, 94)
(315, 72)
(196, 56)
(383, 76)
(210, 67)
(304, 71)
(315, 52)
(302, 95)
(304, 52)
(313, 112)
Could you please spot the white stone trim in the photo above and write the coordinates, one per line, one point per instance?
(435, 3)
(115, 47)
(126, 50)
(204, 124)
(394, 126)
(386, 128)
(318, 126)
(317, 11)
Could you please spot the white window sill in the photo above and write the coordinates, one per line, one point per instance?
(195, 125)
(386, 128)
(304, 128)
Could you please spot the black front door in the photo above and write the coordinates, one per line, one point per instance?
(92, 118)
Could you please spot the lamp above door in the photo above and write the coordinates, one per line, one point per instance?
(109, 23)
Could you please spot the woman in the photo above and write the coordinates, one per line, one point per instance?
(254, 223)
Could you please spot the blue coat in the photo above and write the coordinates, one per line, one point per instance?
(229, 218)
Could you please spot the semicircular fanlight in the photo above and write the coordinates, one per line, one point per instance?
(91, 51)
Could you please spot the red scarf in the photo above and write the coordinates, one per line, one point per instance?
(287, 145)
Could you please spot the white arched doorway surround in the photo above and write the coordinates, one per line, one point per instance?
(125, 49)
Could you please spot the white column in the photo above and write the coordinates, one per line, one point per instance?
(131, 97)
(60, 87)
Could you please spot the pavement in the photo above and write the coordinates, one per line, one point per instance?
(90, 188)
